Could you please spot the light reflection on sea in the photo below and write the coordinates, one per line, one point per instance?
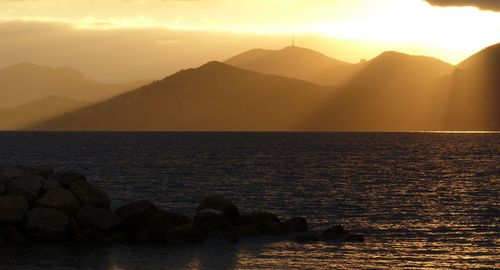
(422, 200)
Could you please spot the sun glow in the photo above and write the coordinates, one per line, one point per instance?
(414, 25)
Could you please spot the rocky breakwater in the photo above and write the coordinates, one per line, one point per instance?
(40, 205)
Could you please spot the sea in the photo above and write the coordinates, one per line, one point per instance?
(422, 200)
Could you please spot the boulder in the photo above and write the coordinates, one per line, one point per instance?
(61, 199)
(264, 222)
(296, 224)
(12, 208)
(99, 218)
(89, 195)
(29, 187)
(46, 224)
(307, 237)
(184, 233)
(338, 233)
(11, 234)
(163, 222)
(218, 202)
(42, 172)
(333, 233)
(9, 172)
(50, 183)
(210, 220)
(66, 179)
(137, 215)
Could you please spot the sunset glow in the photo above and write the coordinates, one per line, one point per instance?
(450, 33)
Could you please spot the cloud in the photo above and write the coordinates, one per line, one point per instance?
(493, 5)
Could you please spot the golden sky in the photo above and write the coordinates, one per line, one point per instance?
(348, 30)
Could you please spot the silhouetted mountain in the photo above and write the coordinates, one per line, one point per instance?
(391, 92)
(214, 96)
(248, 56)
(296, 62)
(24, 83)
(473, 92)
(35, 112)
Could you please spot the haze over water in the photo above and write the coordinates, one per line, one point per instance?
(423, 200)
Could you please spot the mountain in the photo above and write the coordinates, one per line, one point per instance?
(25, 83)
(393, 91)
(215, 96)
(295, 62)
(37, 111)
(473, 92)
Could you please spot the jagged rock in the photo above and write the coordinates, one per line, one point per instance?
(46, 224)
(12, 208)
(338, 233)
(61, 199)
(162, 222)
(210, 220)
(11, 234)
(42, 172)
(137, 215)
(29, 187)
(66, 179)
(218, 202)
(264, 222)
(89, 195)
(297, 224)
(334, 232)
(307, 237)
(50, 183)
(8, 173)
(100, 218)
(184, 233)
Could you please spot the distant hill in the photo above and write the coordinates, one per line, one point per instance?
(214, 96)
(296, 62)
(393, 91)
(37, 111)
(25, 83)
(473, 92)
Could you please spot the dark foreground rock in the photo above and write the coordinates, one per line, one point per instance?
(40, 205)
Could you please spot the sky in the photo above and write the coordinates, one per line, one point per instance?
(123, 40)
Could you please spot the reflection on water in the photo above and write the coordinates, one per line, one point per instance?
(422, 200)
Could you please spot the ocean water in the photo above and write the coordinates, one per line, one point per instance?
(422, 200)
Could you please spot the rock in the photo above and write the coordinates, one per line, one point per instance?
(307, 237)
(42, 172)
(184, 233)
(8, 173)
(12, 208)
(137, 215)
(50, 183)
(29, 187)
(61, 199)
(210, 220)
(218, 202)
(297, 224)
(333, 233)
(66, 179)
(11, 234)
(46, 224)
(338, 233)
(263, 221)
(162, 222)
(100, 218)
(89, 195)
(2, 188)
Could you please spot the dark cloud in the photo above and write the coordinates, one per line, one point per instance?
(481, 4)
